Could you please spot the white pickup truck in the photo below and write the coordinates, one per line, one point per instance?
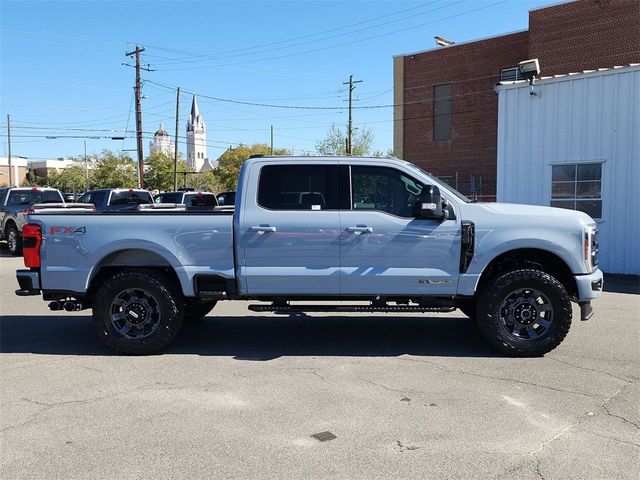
(379, 233)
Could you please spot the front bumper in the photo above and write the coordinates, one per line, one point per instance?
(29, 282)
(589, 285)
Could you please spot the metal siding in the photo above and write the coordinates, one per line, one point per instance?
(579, 118)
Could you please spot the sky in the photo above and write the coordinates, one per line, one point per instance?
(61, 72)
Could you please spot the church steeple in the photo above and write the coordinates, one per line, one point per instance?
(195, 122)
(196, 138)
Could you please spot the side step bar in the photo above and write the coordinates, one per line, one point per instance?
(348, 308)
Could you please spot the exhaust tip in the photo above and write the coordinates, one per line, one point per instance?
(55, 306)
(72, 306)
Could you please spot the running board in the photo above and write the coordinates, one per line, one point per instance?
(348, 308)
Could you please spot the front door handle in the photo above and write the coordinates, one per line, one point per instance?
(360, 229)
(263, 229)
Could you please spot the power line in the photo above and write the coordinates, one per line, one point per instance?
(344, 43)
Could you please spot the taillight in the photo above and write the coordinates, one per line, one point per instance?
(31, 241)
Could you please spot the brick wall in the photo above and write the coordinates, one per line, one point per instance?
(585, 35)
(473, 69)
(570, 37)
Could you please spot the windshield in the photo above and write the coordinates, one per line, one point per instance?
(439, 183)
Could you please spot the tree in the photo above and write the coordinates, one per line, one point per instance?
(232, 159)
(206, 181)
(335, 143)
(114, 171)
(159, 172)
(71, 179)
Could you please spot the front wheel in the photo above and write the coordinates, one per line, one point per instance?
(14, 240)
(524, 313)
(138, 312)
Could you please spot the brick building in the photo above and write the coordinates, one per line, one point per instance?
(445, 115)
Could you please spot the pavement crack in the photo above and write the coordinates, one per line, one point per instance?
(595, 370)
(503, 379)
(615, 415)
(619, 440)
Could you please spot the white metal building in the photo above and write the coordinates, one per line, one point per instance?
(574, 142)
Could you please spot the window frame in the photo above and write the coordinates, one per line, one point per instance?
(438, 101)
(574, 199)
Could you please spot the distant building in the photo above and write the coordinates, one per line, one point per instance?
(161, 142)
(19, 168)
(446, 107)
(197, 159)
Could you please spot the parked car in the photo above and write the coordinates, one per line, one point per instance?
(226, 199)
(395, 240)
(116, 199)
(188, 198)
(13, 203)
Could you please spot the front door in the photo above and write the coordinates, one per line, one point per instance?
(290, 230)
(386, 250)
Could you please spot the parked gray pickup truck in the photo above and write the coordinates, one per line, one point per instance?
(379, 233)
(14, 202)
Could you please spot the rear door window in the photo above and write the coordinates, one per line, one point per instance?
(298, 187)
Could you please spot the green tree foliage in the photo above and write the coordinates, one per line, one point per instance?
(114, 171)
(71, 179)
(159, 172)
(335, 143)
(232, 159)
(206, 181)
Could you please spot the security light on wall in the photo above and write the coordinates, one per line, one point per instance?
(529, 70)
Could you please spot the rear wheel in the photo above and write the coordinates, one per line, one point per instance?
(196, 309)
(14, 240)
(524, 313)
(138, 312)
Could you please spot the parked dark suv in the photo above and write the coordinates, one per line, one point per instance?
(13, 203)
(116, 199)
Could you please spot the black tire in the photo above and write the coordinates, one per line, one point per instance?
(196, 309)
(127, 296)
(14, 240)
(524, 313)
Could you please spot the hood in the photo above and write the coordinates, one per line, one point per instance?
(522, 213)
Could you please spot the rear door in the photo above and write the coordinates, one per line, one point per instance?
(290, 230)
(386, 250)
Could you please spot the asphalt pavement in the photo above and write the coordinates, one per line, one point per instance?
(240, 395)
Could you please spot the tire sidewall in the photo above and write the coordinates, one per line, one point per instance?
(164, 293)
(493, 328)
(18, 247)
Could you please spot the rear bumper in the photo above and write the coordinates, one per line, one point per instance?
(29, 282)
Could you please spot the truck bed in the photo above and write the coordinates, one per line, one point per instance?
(76, 245)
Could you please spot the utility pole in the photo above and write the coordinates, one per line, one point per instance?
(350, 126)
(138, 91)
(271, 139)
(9, 149)
(175, 144)
(86, 169)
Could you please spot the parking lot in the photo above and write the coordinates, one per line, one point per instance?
(240, 394)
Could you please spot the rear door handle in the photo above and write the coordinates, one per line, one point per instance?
(360, 229)
(263, 228)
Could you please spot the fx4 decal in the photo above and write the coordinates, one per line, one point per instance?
(67, 230)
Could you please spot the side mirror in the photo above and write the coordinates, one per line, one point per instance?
(429, 205)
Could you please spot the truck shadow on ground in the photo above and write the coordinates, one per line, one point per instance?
(255, 338)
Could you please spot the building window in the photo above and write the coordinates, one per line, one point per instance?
(510, 74)
(442, 109)
(578, 186)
